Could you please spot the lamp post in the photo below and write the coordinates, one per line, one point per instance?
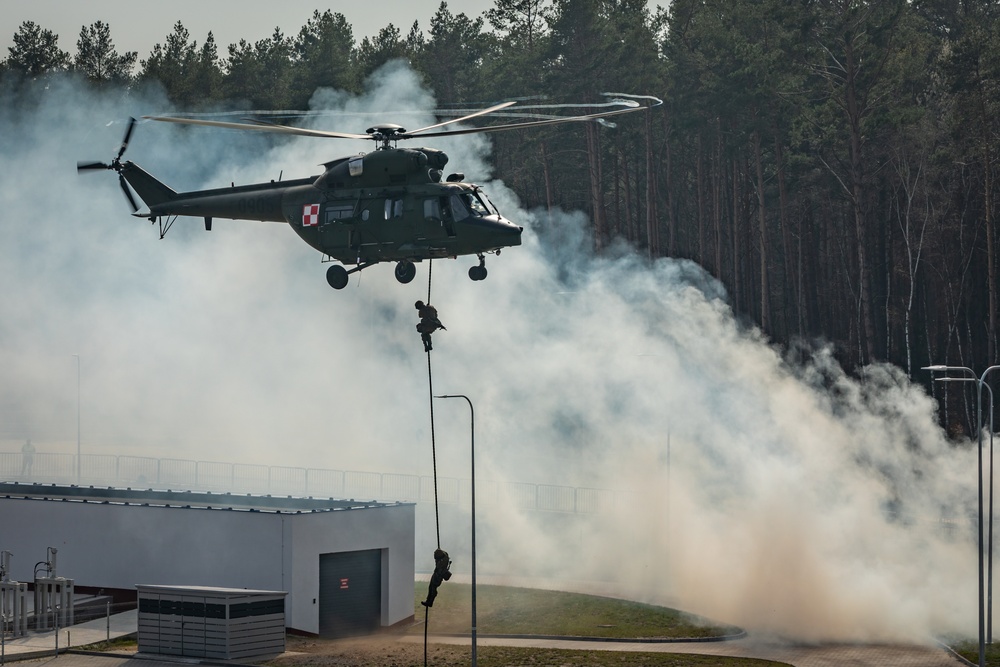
(980, 381)
(989, 538)
(472, 414)
(77, 418)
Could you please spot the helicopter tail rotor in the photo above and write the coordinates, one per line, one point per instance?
(128, 135)
(128, 193)
(84, 166)
(115, 165)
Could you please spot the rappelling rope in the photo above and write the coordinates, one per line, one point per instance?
(427, 612)
(430, 390)
(430, 387)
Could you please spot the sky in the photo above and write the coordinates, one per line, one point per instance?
(138, 26)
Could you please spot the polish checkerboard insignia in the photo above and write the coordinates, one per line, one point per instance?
(310, 215)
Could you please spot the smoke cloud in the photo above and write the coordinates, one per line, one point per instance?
(779, 495)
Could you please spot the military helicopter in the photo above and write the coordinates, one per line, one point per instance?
(389, 205)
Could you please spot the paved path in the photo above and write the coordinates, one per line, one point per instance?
(797, 655)
(800, 656)
(38, 644)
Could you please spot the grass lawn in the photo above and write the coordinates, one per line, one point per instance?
(502, 610)
(969, 649)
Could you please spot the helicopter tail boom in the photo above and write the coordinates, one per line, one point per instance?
(150, 190)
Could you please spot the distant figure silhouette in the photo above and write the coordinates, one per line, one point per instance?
(27, 457)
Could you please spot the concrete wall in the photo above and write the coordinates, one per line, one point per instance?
(120, 546)
(310, 535)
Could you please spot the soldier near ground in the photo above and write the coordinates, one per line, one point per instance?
(429, 323)
(27, 457)
(441, 574)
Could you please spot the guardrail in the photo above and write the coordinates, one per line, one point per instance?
(182, 474)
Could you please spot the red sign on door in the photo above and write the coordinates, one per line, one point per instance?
(343, 583)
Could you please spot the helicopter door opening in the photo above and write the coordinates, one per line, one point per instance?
(435, 212)
(338, 219)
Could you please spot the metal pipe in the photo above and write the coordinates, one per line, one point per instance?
(77, 418)
(989, 559)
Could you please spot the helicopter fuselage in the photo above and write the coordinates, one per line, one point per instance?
(388, 205)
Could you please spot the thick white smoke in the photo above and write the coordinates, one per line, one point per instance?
(783, 497)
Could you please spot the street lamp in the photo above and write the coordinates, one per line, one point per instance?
(989, 540)
(980, 382)
(989, 537)
(472, 413)
(77, 418)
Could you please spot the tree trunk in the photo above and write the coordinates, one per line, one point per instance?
(792, 286)
(735, 235)
(630, 222)
(669, 176)
(717, 178)
(765, 310)
(854, 112)
(652, 229)
(596, 198)
(547, 177)
(700, 173)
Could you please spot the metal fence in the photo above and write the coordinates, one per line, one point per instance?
(182, 474)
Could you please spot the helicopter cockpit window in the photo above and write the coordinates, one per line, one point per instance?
(459, 211)
(486, 200)
(477, 205)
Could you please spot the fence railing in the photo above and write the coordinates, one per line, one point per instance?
(182, 474)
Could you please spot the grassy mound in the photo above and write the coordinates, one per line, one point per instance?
(502, 610)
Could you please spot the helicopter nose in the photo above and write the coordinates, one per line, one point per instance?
(501, 228)
(510, 231)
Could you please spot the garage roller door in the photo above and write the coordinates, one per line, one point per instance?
(350, 593)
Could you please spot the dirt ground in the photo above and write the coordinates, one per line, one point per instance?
(385, 649)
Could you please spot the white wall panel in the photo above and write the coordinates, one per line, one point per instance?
(108, 545)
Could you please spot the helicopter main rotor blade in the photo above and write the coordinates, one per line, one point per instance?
(533, 123)
(397, 134)
(260, 127)
(482, 112)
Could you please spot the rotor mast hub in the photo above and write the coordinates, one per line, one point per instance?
(388, 133)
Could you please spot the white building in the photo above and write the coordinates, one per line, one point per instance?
(348, 567)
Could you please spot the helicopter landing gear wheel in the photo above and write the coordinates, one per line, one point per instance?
(479, 272)
(405, 271)
(336, 275)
